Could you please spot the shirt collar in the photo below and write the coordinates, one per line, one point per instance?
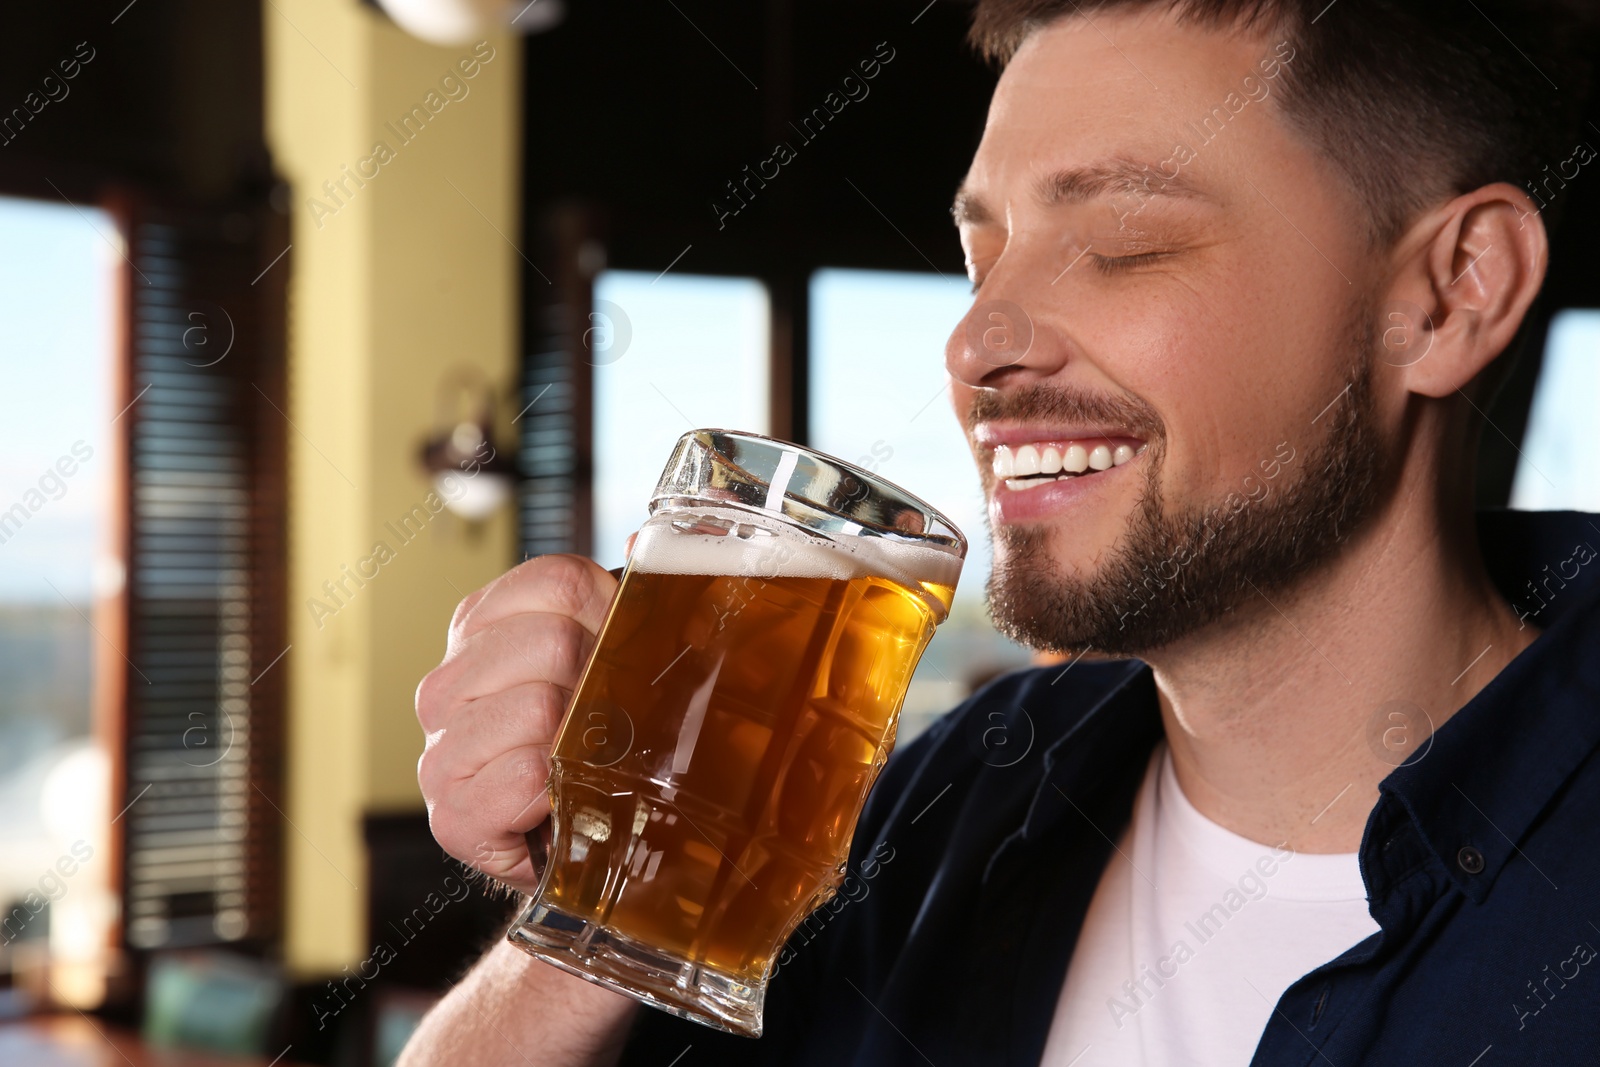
(1488, 771)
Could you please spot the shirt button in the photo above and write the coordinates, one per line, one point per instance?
(1470, 859)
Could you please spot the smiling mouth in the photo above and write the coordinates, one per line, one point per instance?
(1040, 463)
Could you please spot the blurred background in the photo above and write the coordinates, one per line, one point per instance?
(318, 315)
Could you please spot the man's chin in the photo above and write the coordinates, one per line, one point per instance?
(1102, 582)
(1063, 599)
(1170, 574)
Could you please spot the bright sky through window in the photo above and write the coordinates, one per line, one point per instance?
(675, 353)
(57, 266)
(1560, 464)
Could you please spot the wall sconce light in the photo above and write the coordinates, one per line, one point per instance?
(470, 473)
(455, 22)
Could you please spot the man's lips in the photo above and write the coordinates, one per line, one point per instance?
(1038, 470)
(1048, 494)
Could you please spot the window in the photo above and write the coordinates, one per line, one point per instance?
(141, 583)
(672, 353)
(57, 277)
(669, 353)
(1560, 463)
(880, 399)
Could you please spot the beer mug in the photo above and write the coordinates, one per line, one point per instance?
(740, 701)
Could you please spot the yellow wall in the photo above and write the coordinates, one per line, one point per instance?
(392, 284)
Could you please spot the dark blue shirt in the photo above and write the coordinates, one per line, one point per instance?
(981, 846)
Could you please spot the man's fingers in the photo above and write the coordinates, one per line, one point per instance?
(510, 790)
(506, 654)
(481, 821)
(491, 710)
(482, 729)
(567, 585)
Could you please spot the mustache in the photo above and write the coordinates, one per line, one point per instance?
(1069, 404)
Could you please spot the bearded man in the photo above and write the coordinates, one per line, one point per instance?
(1317, 783)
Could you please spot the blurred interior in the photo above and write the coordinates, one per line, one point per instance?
(313, 327)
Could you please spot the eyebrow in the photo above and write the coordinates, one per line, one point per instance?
(1076, 185)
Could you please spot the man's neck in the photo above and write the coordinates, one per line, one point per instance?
(1284, 715)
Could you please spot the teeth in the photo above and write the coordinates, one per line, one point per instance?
(1036, 464)
(1028, 461)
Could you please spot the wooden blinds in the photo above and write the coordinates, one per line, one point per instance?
(203, 451)
(555, 418)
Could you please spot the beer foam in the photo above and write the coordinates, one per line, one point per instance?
(781, 550)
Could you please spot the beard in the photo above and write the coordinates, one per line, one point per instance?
(1175, 570)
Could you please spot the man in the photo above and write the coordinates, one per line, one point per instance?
(1338, 809)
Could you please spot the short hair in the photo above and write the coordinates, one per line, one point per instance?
(1414, 101)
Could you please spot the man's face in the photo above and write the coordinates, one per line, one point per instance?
(1203, 326)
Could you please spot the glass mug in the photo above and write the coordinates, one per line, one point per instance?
(740, 701)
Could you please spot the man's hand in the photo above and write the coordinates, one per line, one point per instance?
(490, 711)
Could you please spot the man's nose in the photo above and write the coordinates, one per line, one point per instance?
(1005, 339)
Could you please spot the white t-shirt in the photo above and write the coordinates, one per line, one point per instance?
(1192, 936)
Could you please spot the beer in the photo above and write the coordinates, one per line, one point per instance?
(723, 739)
(740, 701)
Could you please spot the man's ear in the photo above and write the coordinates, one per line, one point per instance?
(1473, 267)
